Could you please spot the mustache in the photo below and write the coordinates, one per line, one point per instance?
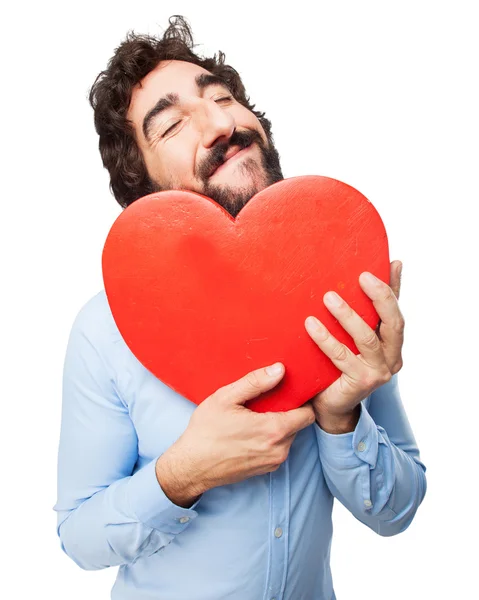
(216, 157)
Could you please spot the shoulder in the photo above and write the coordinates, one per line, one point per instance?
(95, 322)
(95, 344)
(98, 346)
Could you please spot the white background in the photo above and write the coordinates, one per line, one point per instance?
(380, 95)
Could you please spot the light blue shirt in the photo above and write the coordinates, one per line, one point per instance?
(265, 538)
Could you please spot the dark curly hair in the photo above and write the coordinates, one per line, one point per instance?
(110, 97)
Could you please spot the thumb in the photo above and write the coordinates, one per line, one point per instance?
(395, 279)
(252, 385)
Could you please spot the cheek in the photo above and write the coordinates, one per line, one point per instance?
(184, 165)
(175, 166)
(178, 159)
(251, 122)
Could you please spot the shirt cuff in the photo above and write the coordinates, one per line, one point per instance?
(152, 507)
(352, 448)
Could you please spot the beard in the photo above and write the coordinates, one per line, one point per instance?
(233, 199)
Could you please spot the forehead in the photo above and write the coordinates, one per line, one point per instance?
(172, 76)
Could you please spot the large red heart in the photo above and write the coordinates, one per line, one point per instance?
(201, 299)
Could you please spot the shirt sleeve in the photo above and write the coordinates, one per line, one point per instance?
(108, 513)
(375, 471)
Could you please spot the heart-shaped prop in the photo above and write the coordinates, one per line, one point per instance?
(201, 298)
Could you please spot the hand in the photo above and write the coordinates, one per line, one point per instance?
(337, 407)
(225, 442)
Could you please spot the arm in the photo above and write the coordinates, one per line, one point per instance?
(375, 471)
(367, 449)
(106, 514)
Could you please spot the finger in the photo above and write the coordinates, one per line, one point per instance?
(386, 304)
(365, 338)
(296, 419)
(395, 278)
(252, 385)
(384, 300)
(341, 356)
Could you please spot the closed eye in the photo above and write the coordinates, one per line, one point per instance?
(170, 128)
(222, 99)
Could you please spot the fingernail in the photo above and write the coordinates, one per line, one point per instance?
(274, 370)
(315, 326)
(400, 269)
(333, 299)
(370, 278)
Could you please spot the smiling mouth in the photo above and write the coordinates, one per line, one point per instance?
(233, 157)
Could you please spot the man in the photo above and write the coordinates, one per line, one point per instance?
(215, 501)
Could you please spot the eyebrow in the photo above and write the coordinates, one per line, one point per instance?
(202, 81)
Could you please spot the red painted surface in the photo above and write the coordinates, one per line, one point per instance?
(201, 299)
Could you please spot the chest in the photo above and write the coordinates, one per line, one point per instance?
(158, 413)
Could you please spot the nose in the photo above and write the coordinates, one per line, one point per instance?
(215, 123)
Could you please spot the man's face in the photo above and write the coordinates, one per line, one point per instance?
(195, 136)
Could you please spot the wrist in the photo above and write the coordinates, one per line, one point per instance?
(338, 424)
(175, 482)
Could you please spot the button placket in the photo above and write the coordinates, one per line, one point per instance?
(279, 523)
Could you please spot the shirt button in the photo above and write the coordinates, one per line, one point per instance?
(278, 532)
(368, 503)
(184, 519)
(361, 446)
